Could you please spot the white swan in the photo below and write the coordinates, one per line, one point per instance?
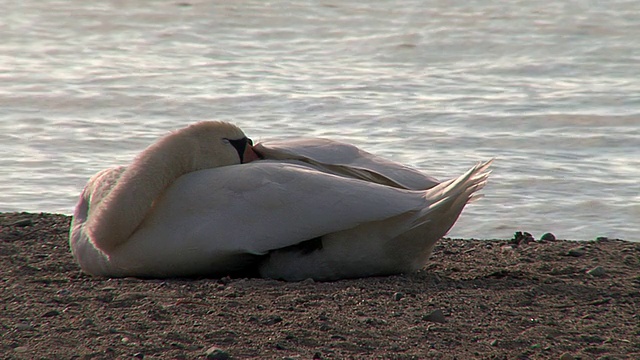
(196, 204)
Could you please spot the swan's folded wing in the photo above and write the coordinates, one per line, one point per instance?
(264, 205)
(346, 160)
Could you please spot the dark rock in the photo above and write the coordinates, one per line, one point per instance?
(273, 319)
(522, 237)
(548, 237)
(436, 316)
(22, 223)
(24, 326)
(576, 251)
(51, 313)
(597, 271)
(215, 353)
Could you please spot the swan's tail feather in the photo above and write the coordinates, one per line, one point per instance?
(451, 196)
(446, 202)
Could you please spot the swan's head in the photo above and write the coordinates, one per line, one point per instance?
(216, 143)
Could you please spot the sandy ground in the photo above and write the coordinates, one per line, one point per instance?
(495, 299)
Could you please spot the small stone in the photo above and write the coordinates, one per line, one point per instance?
(272, 319)
(22, 223)
(21, 349)
(630, 260)
(592, 339)
(23, 326)
(597, 271)
(566, 356)
(51, 313)
(397, 296)
(506, 248)
(138, 355)
(576, 251)
(215, 353)
(494, 342)
(548, 237)
(522, 237)
(436, 316)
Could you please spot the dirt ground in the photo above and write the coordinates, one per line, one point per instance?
(493, 299)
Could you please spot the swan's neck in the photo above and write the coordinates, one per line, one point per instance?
(119, 213)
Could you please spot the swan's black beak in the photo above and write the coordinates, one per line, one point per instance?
(244, 147)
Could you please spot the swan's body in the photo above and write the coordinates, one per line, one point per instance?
(311, 209)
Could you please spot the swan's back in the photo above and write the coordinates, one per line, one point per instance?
(347, 160)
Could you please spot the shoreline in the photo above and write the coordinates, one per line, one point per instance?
(6, 216)
(474, 299)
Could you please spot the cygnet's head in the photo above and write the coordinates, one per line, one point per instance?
(216, 143)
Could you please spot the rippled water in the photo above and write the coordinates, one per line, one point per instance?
(551, 90)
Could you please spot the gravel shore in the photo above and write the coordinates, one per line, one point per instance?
(496, 299)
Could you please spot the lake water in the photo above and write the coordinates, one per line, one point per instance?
(551, 90)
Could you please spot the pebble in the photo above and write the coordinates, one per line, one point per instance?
(506, 248)
(22, 223)
(63, 292)
(272, 319)
(21, 349)
(522, 237)
(548, 237)
(576, 251)
(397, 296)
(566, 356)
(436, 316)
(51, 313)
(24, 326)
(597, 271)
(630, 260)
(215, 353)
